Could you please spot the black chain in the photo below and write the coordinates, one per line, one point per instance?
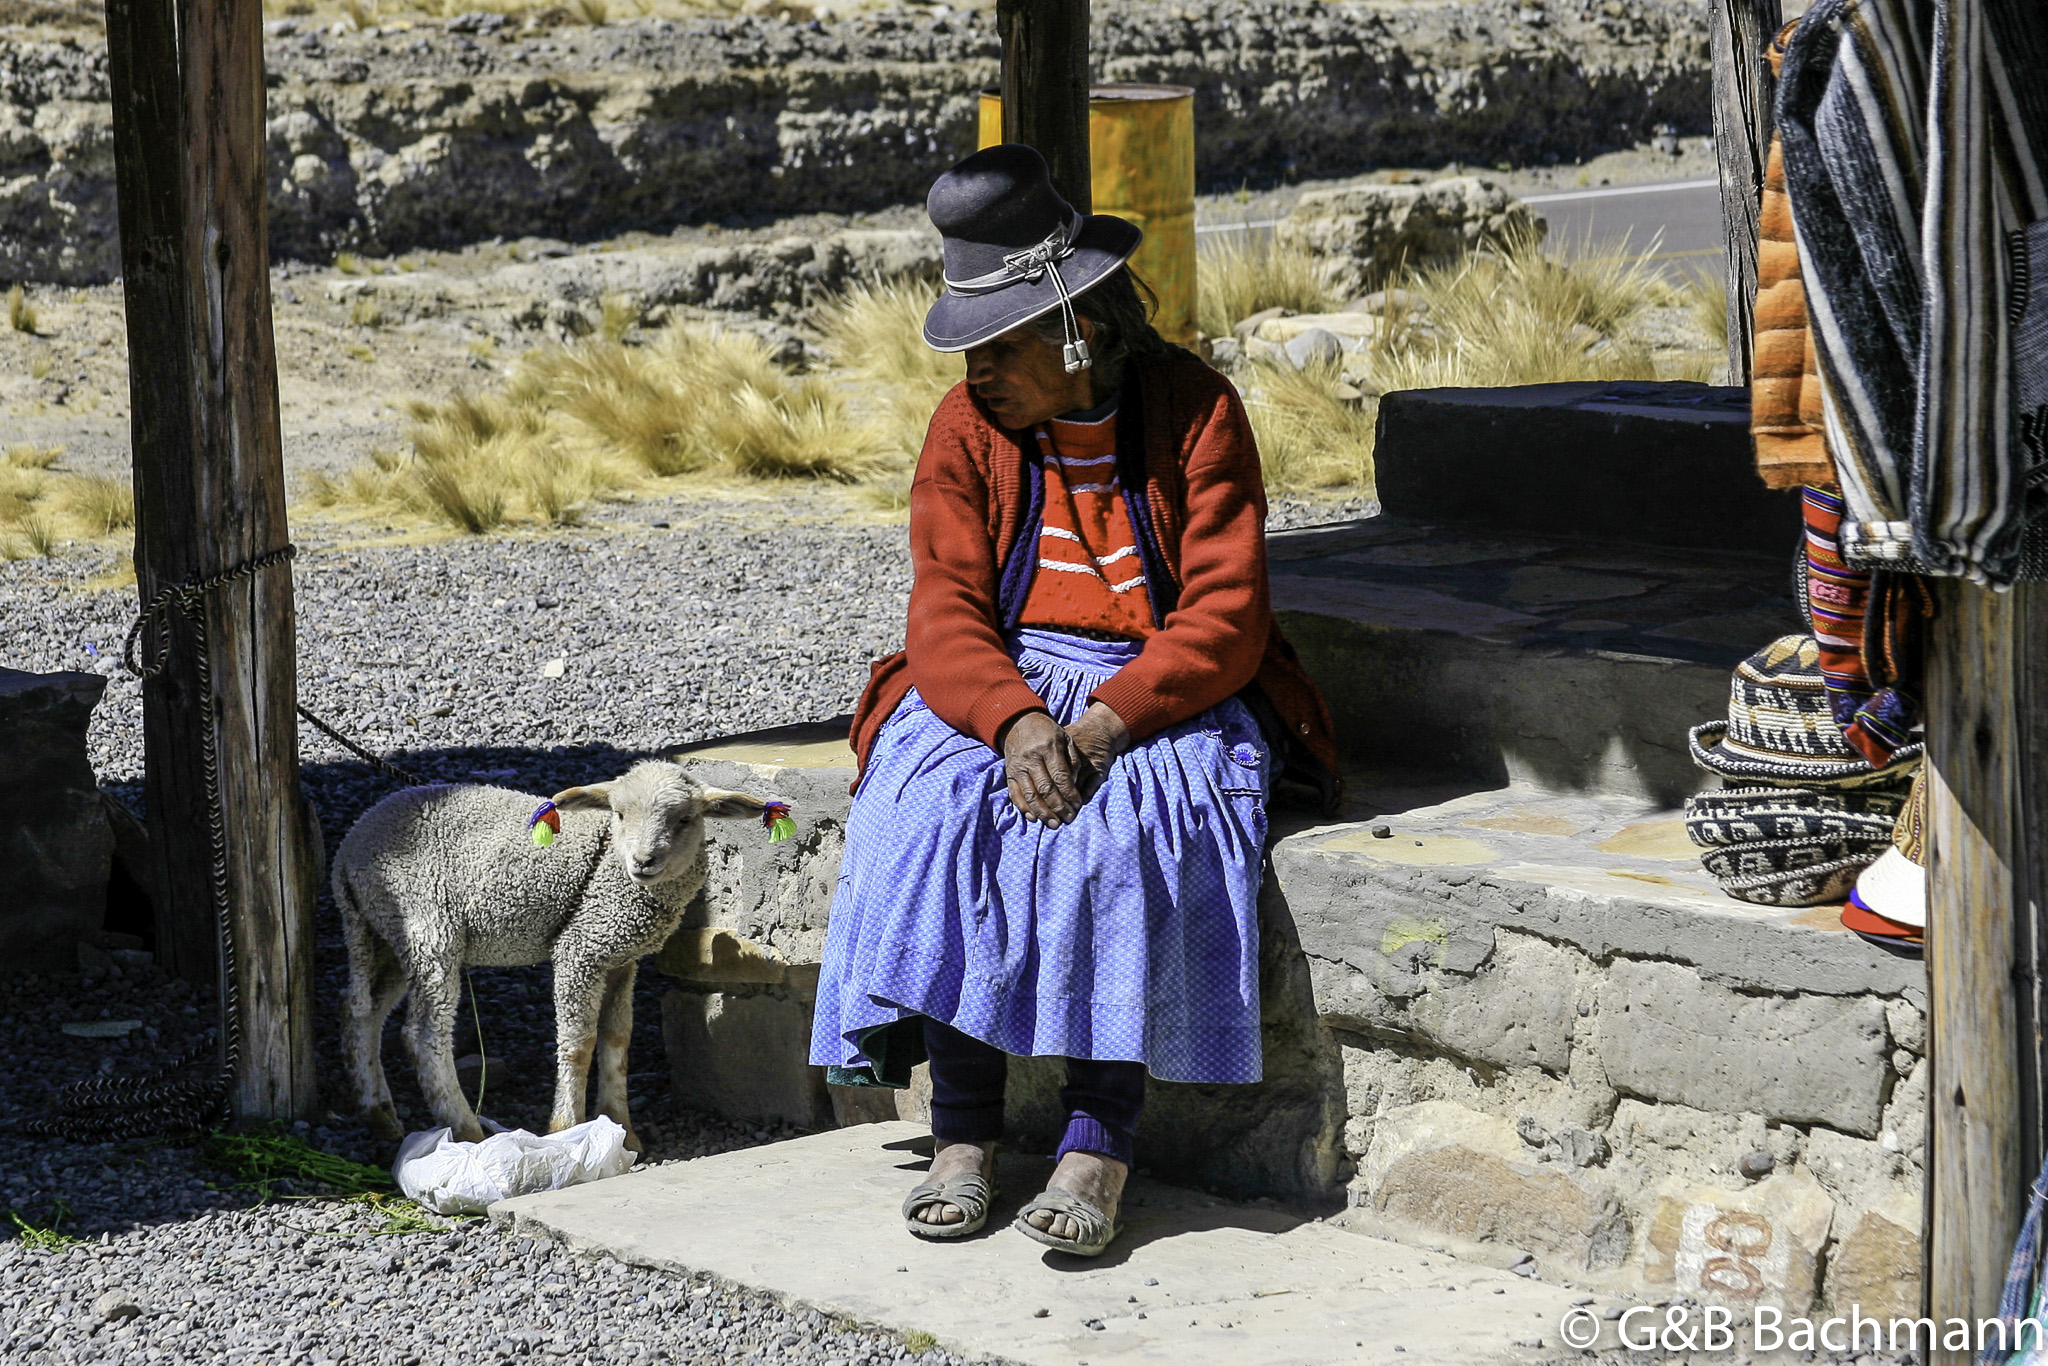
(383, 765)
(110, 1107)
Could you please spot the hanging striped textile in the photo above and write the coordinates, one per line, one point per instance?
(1913, 136)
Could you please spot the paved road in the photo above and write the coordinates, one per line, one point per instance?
(1682, 217)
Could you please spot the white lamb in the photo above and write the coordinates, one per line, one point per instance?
(433, 879)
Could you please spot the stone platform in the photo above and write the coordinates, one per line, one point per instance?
(1522, 1022)
(1193, 1279)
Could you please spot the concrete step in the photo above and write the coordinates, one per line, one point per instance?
(1193, 1279)
(1511, 657)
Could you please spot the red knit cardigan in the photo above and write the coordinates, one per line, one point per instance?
(1208, 503)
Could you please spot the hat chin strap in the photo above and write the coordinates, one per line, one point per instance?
(1026, 267)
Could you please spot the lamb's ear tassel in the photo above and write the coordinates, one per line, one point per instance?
(545, 824)
(775, 816)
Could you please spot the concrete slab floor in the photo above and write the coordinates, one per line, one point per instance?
(1192, 1280)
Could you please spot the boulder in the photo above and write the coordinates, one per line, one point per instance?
(1313, 346)
(1366, 232)
(55, 843)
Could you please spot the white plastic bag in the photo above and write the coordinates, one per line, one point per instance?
(463, 1178)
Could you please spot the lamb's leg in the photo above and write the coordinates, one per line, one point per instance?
(579, 991)
(375, 984)
(614, 1037)
(430, 1027)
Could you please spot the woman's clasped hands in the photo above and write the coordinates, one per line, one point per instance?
(1051, 769)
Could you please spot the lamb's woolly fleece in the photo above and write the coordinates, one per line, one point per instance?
(433, 879)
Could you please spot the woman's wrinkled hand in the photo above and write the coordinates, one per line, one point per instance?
(1043, 768)
(1100, 735)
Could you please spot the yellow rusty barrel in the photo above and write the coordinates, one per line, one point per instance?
(1141, 161)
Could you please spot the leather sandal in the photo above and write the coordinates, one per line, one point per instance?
(1097, 1229)
(970, 1194)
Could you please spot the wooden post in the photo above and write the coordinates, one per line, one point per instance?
(1045, 87)
(1986, 731)
(1743, 95)
(188, 104)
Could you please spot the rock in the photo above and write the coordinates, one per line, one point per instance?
(1908, 1025)
(1249, 327)
(1756, 1165)
(115, 1306)
(1315, 346)
(1665, 1032)
(1441, 1167)
(1760, 1245)
(1352, 330)
(1381, 302)
(1581, 1147)
(1366, 232)
(1876, 1265)
(55, 842)
(1512, 1008)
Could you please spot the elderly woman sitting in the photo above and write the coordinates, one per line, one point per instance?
(1058, 834)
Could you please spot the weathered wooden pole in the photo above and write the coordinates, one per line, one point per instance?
(1986, 731)
(187, 83)
(1045, 87)
(1743, 93)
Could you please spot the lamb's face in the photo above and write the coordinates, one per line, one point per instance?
(658, 812)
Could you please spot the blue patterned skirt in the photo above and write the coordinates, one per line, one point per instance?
(1130, 934)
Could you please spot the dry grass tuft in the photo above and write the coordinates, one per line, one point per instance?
(1311, 435)
(1239, 275)
(701, 400)
(99, 503)
(21, 313)
(577, 423)
(875, 333)
(1707, 301)
(41, 505)
(30, 457)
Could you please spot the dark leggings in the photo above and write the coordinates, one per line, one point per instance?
(1102, 1099)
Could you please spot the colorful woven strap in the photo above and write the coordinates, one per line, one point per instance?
(1877, 721)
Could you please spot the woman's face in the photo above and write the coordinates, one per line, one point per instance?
(1022, 377)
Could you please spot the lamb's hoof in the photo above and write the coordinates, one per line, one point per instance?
(383, 1123)
(634, 1145)
(471, 1132)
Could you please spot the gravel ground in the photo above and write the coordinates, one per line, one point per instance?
(665, 622)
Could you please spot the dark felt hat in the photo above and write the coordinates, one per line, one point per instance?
(1007, 231)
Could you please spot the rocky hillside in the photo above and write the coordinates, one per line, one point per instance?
(433, 136)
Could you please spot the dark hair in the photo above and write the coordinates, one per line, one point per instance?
(1123, 327)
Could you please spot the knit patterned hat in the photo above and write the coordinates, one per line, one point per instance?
(1781, 728)
(1739, 815)
(1811, 885)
